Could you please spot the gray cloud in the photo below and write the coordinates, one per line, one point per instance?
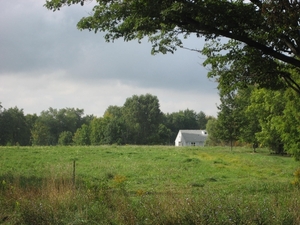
(46, 61)
(34, 38)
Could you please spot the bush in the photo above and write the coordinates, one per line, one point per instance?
(65, 138)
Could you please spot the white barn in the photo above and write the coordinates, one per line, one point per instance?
(191, 138)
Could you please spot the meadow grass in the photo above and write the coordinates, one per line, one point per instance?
(147, 185)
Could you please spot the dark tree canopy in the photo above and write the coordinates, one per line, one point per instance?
(266, 32)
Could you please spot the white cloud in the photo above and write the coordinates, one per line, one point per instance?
(52, 90)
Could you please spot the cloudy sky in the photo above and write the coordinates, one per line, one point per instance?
(46, 62)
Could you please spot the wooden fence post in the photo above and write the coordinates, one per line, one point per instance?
(74, 173)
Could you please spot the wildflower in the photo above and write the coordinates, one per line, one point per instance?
(119, 179)
(140, 192)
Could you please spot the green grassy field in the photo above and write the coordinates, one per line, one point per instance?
(147, 185)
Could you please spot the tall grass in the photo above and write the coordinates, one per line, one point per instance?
(191, 186)
(58, 203)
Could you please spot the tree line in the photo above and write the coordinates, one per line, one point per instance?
(139, 121)
(252, 115)
(259, 116)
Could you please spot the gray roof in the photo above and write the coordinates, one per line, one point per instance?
(194, 135)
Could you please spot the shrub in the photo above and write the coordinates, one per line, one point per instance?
(65, 138)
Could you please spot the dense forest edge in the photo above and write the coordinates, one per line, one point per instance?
(139, 121)
(253, 117)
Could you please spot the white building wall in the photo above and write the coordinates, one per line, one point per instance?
(179, 141)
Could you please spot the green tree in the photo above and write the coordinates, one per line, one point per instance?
(142, 117)
(230, 118)
(82, 135)
(235, 122)
(69, 119)
(13, 127)
(263, 35)
(213, 135)
(49, 119)
(65, 138)
(116, 128)
(40, 134)
(58, 121)
(96, 131)
(114, 111)
(250, 120)
(31, 119)
(288, 124)
(102, 131)
(164, 135)
(184, 119)
(269, 107)
(202, 120)
(190, 119)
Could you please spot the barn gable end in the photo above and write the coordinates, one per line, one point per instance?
(191, 138)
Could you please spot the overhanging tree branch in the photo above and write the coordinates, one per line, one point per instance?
(203, 29)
